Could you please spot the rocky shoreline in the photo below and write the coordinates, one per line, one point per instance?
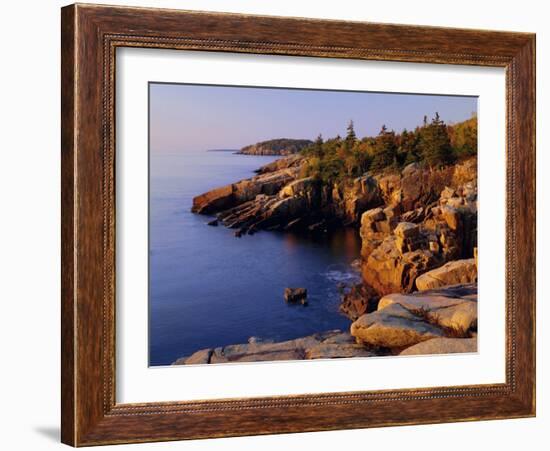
(418, 229)
(427, 322)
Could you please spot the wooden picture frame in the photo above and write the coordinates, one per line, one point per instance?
(90, 36)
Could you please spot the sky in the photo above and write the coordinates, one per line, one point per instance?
(199, 117)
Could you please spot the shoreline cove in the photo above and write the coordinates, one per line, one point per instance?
(418, 228)
(186, 311)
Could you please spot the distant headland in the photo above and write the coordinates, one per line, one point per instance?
(280, 146)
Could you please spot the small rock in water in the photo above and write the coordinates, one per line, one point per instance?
(238, 233)
(213, 223)
(294, 295)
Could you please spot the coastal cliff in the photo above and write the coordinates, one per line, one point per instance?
(279, 198)
(418, 231)
(415, 208)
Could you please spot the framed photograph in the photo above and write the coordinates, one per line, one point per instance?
(279, 225)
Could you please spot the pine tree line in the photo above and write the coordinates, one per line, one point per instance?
(434, 144)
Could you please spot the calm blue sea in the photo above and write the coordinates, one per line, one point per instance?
(209, 288)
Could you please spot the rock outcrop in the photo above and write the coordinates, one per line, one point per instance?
(294, 295)
(452, 307)
(331, 344)
(235, 194)
(451, 273)
(429, 219)
(352, 199)
(393, 327)
(294, 161)
(358, 300)
(279, 198)
(395, 264)
(405, 320)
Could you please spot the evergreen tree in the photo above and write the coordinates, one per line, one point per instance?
(384, 150)
(408, 152)
(351, 138)
(435, 144)
(318, 146)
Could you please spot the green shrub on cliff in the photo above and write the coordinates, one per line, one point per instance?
(464, 137)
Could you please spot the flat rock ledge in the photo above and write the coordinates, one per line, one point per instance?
(326, 345)
(443, 346)
(404, 320)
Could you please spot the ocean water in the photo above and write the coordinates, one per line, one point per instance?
(208, 288)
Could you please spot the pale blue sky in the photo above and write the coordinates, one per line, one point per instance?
(195, 117)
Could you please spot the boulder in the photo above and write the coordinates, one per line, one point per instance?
(461, 318)
(452, 273)
(442, 346)
(358, 300)
(393, 327)
(447, 308)
(388, 270)
(294, 295)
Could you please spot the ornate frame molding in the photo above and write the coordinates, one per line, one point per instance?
(90, 37)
